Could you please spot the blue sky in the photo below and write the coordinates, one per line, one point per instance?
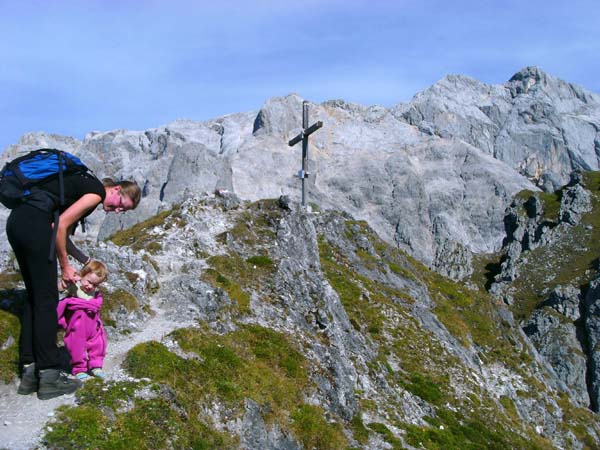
(70, 67)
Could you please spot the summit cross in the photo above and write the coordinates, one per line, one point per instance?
(303, 136)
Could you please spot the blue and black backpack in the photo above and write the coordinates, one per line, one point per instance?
(20, 179)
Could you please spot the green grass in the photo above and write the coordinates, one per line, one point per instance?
(260, 261)
(378, 286)
(387, 435)
(423, 387)
(452, 431)
(239, 277)
(10, 280)
(141, 235)
(9, 346)
(253, 362)
(309, 423)
(255, 226)
(426, 369)
(150, 424)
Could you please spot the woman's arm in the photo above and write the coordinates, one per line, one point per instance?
(74, 251)
(69, 217)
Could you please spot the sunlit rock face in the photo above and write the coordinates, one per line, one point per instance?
(433, 176)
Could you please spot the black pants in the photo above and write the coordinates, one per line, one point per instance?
(29, 232)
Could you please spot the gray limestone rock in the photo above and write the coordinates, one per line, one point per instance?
(539, 125)
(553, 331)
(592, 326)
(256, 434)
(565, 300)
(528, 227)
(575, 201)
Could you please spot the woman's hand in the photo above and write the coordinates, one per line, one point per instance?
(69, 274)
(62, 285)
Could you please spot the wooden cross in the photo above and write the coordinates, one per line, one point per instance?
(303, 136)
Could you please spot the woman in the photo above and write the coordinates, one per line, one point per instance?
(29, 232)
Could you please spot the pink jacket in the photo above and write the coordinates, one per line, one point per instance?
(85, 337)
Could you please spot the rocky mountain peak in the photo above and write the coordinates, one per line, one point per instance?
(528, 77)
(372, 162)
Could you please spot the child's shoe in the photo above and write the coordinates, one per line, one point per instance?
(82, 376)
(99, 373)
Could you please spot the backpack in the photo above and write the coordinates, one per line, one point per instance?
(20, 178)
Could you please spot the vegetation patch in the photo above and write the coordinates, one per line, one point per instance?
(10, 280)
(254, 226)
(451, 431)
(485, 269)
(472, 317)
(363, 298)
(114, 301)
(145, 235)
(361, 312)
(9, 346)
(113, 417)
(132, 277)
(387, 435)
(412, 358)
(238, 277)
(260, 261)
(309, 423)
(251, 363)
(425, 388)
(359, 430)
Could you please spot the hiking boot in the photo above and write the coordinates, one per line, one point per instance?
(29, 381)
(54, 383)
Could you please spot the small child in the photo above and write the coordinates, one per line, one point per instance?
(79, 315)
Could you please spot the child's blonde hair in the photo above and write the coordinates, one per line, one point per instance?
(97, 267)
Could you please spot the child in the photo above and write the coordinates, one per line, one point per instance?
(79, 315)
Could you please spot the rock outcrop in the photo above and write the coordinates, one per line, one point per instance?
(537, 124)
(549, 238)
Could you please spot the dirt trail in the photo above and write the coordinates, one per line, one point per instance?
(23, 418)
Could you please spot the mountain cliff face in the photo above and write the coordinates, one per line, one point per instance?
(549, 275)
(432, 176)
(338, 327)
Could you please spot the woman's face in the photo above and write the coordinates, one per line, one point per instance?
(116, 201)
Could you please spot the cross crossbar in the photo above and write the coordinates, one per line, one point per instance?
(310, 130)
(303, 136)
